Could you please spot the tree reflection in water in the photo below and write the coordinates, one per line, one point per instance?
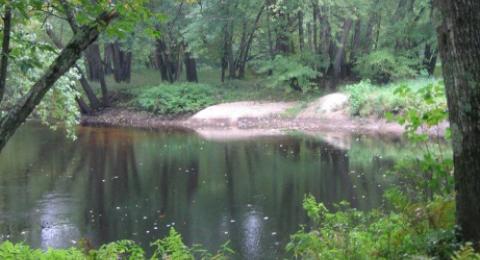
(115, 184)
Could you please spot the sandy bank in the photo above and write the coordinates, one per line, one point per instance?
(244, 119)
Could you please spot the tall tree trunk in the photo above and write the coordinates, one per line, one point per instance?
(230, 57)
(271, 51)
(95, 69)
(379, 26)
(301, 36)
(367, 41)
(356, 39)
(327, 46)
(242, 47)
(7, 26)
(121, 60)
(107, 59)
(316, 18)
(340, 55)
(309, 36)
(225, 52)
(94, 65)
(243, 58)
(190, 67)
(163, 61)
(430, 59)
(83, 37)
(459, 44)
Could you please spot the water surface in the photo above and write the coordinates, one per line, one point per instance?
(113, 184)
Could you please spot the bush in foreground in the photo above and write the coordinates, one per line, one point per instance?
(409, 231)
(171, 247)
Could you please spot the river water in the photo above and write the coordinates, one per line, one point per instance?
(113, 184)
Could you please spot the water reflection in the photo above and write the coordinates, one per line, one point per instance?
(115, 184)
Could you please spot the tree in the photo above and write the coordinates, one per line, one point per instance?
(459, 44)
(67, 58)
(86, 29)
(7, 26)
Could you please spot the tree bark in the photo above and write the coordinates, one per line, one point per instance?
(309, 36)
(162, 60)
(340, 55)
(7, 27)
(92, 98)
(301, 34)
(244, 54)
(430, 59)
(121, 61)
(459, 45)
(94, 54)
(316, 18)
(70, 54)
(190, 68)
(94, 64)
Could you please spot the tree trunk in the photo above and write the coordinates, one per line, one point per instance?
(301, 34)
(190, 68)
(230, 57)
(93, 62)
(162, 60)
(271, 51)
(92, 98)
(430, 59)
(316, 18)
(107, 60)
(244, 54)
(356, 39)
(121, 61)
(340, 55)
(83, 37)
(459, 44)
(309, 36)
(7, 26)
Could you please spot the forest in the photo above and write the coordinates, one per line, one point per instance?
(239, 129)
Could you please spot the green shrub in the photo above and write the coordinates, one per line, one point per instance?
(383, 65)
(410, 230)
(367, 99)
(288, 73)
(170, 247)
(358, 96)
(173, 99)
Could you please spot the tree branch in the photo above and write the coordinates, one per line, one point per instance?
(66, 59)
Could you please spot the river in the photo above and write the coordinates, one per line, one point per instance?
(112, 184)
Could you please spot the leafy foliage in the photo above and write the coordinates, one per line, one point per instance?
(31, 57)
(410, 230)
(382, 66)
(170, 247)
(180, 98)
(367, 99)
(286, 71)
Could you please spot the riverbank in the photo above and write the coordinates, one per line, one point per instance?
(326, 114)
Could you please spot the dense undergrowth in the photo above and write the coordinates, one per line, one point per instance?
(368, 99)
(170, 247)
